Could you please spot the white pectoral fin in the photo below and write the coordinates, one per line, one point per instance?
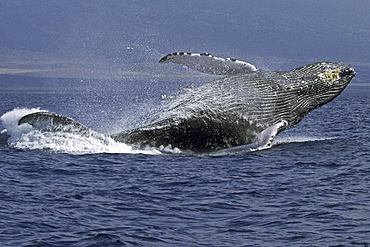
(266, 137)
(207, 63)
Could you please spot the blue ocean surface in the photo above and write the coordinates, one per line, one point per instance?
(311, 188)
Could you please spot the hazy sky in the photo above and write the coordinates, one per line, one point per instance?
(121, 39)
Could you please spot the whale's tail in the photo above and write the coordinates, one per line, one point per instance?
(52, 122)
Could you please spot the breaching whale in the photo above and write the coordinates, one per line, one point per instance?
(245, 106)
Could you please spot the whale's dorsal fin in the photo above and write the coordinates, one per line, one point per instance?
(48, 121)
(207, 63)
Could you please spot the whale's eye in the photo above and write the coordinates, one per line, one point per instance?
(346, 71)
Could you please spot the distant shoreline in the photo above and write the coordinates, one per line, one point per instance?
(32, 83)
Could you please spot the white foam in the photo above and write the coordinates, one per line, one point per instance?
(24, 136)
(298, 139)
(62, 142)
(10, 122)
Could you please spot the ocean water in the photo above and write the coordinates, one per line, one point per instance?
(311, 188)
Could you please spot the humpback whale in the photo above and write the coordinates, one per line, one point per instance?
(246, 106)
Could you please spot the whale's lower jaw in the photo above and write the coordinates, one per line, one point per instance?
(204, 137)
(197, 135)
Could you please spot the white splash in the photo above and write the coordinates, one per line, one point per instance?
(298, 139)
(10, 122)
(24, 136)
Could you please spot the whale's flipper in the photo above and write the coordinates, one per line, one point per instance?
(207, 63)
(48, 121)
(266, 137)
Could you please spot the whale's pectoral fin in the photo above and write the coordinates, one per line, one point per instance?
(48, 121)
(266, 137)
(207, 63)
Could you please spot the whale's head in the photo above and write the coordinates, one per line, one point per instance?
(318, 84)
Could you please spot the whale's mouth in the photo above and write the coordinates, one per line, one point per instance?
(348, 71)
